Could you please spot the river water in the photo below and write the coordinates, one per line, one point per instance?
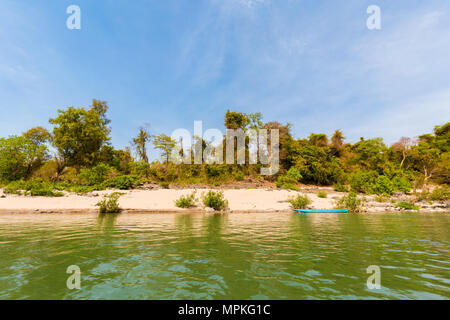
(232, 256)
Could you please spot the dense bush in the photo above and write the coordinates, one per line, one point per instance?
(402, 184)
(438, 194)
(407, 205)
(120, 182)
(45, 193)
(363, 181)
(215, 200)
(239, 176)
(95, 175)
(322, 194)
(299, 202)
(340, 187)
(188, 201)
(383, 186)
(351, 202)
(110, 203)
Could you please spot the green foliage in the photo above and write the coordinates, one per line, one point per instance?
(288, 180)
(239, 176)
(214, 170)
(32, 187)
(351, 202)
(383, 186)
(340, 187)
(164, 185)
(85, 189)
(215, 200)
(140, 169)
(438, 194)
(188, 201)
(363, 181)
(95, 175)
(299, 202)
(166, 144)
(120, 182)
(407, 205)
(79, 133)
(236, 120)
(381, 199)
(19, 156)
(140, 143)
(402, 184)
(370, 182)
(45, 193)
(322, 194)
(110, 203)
(293, 174)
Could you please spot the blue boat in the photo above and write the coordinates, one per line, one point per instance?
(303, 211)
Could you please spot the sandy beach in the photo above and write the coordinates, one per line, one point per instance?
(162, 200)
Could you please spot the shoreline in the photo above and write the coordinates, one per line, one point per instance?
(162, 201)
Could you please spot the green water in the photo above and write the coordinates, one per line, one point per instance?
(235, 256)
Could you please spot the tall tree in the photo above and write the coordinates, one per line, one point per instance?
(403, 146)
(79, 133)
(236, 120)
(39, 135)
(166, 144)
(140, 143)
(19, 156)
(337, 140)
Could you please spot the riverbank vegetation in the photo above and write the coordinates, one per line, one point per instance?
(74, 154)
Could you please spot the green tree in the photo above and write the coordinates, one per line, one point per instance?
(318, 140)
(79, 133)
(140, 143)
(19, 156)
(166, 144)
(39, 135)
(236, 120)
(337, 142)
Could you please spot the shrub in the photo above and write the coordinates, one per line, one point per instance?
(383, 186)
(95, 175)
(322, 194)
(186, 201)
(340, 187)
(239, 176)
(214, 171)
(299, 202)
(402, 184)
(45, 193)
(11, 190)
(381, 199)
(294, 174)
(406, 205)
(140, 169)
(363, 181)
(120, 182)
(350, 202)
(440, 194)
(110, 203)
(85, 189)
(215, 200)
(164, 185)
(289, 186)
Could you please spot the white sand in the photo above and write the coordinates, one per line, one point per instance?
(161, 200)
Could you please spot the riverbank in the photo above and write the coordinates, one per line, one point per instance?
(163, 200)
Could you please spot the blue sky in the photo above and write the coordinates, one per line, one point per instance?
(167, 63)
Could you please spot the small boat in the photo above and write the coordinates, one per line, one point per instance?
(304, 211)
